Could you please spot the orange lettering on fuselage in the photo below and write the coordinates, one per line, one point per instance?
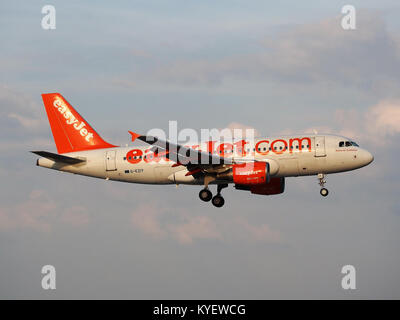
(299, 141)
(281, 149)
(240, 148)
(225, 149)
(277, 146)
(258, 150)
(134, 156)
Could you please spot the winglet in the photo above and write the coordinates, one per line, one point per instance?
(134, 135)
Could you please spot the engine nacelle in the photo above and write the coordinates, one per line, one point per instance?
(275, 186)
(251, 173)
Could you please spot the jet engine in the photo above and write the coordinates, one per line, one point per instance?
(275, 186)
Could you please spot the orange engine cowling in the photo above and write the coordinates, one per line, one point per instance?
(275, 186)
(252, 173)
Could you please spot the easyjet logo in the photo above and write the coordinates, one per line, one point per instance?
(241, 148)
(249, 172)
(72, 121)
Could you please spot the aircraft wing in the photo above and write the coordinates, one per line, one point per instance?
(196, 161)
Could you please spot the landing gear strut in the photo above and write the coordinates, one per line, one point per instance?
(206, 194)
(324, 192)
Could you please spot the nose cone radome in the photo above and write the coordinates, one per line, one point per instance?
(365, 157)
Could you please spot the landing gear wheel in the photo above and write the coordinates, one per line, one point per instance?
(205, 195)
(218, 201)
(324, 192)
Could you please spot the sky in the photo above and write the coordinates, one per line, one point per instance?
(280, 68)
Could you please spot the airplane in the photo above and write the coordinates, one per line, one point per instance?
(258, 165)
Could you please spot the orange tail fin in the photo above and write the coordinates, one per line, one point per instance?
(70, 131)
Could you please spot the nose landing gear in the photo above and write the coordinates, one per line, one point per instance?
(324, 192)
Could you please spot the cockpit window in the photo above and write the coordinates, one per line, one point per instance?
(354, 144)
(347, 144)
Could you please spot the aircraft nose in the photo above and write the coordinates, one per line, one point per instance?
(366, 157)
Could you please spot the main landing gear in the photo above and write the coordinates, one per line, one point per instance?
(206, 195)
(324, 192)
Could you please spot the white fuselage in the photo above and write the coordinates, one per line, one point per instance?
(291, 156)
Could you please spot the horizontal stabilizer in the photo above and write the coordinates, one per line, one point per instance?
(57, 157)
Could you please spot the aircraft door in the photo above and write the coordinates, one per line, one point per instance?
(320, 146)
(111, 160)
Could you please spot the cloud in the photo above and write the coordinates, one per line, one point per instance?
(140, 53)
(200, 227)
(145, 218)
(187, 228)
(258, 233)
(241, 130)
(124, 83)
(40, 213)
(325, 52)
(148, 219)
(19, 107)
(383, 119)
(76, 216)
(23, 123)
(378, 125)
(321, 52)
(34, 213)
